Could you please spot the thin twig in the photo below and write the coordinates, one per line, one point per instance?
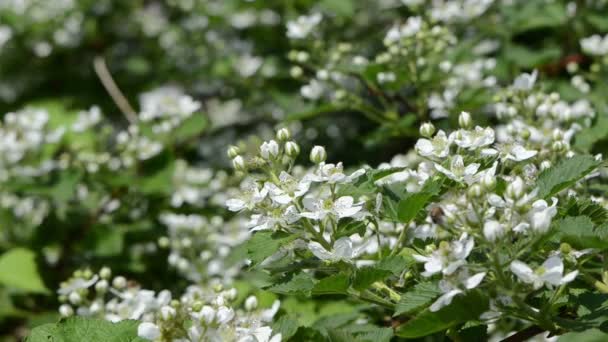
(101, 69)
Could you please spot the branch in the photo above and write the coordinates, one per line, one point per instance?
(101, 69)
(525, 334)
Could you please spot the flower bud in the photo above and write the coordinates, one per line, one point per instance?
(74, 298)
(475, 190)
(427, 129)
(239, 163)
(565, 248)
(119, 282)
(545, 164)
(283, 134)
(269, 149)
(292, 149)
(296, 72)
(233, 151)
(105, 273)
(488, 181)
(465, 120)
(251, 303)
(515, 189)
(207, 314)
(66, 310)
(318, 154)
(558, 146)
(167, 312)
(163, 242)
(493, 230)
(102, 286)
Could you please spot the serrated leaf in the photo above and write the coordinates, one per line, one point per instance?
(334, 284)
(580, 232)
(302, 283)
(576, 206)
(420, 296)
(565, 174)
(18, 270)
(78, 329)
(287, 326)
(463, 308)
(264, 244)
(586, 138)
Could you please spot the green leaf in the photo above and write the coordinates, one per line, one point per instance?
(18, 270)
(287, 326)
(264, 244)
(344, 8)
(191, 127)
(334, 284)
(420, 296)
(366, 276)
(302, 283)
(78, 329)
(586, 138)
(577, 206)
(463, 308)
(591, 335)
(527, 58)
(580, 232)
(565, 174)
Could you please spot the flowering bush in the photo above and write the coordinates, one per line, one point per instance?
(182, 170)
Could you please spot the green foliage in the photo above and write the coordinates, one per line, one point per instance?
(422, 295)
(565, 174)
(18, 270)
(462, 309)
(78, 329)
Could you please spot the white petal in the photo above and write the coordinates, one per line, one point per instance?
(444, 300)
(343, 248)
(569, 277)
(319, 251)
(474, 280)
(522, 271)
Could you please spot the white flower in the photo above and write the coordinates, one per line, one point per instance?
(302, 26)
(313, 90)
(148, 330)
(224, 314)
(474, 139)
(448, 257)
(458, 171)
(273, 218)
(288, 190)
(342, 207)
(451, 290)
(595, 45)
(77, 284)
(519, 153)
(333, 174)
(550, 273)
(250, 196)
(525, 81)
(342, 250)
(438, 147)
(541, 214)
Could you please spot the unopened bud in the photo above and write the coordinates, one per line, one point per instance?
(251, 303)
(318, 154)
(239, 163)
(427, 129)
(292, 149)
(233, 151)
(465, 120)
(283, 134)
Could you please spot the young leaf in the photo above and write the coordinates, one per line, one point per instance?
(463, 308)
(422, 295)
(565, 174)
(18, 270)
